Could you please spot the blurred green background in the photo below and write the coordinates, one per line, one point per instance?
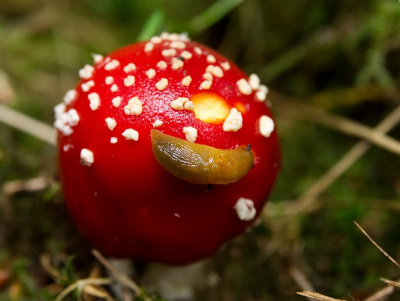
(335, 57)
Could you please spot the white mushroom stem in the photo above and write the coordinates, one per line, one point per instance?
(176, 283)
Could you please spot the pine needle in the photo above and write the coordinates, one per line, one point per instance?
(152, 25)
(119, 276)
(27, 124)
(213, 14)
(376, 245)
(317, 296)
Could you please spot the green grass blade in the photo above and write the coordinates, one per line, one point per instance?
(152, 26)
(213, 14)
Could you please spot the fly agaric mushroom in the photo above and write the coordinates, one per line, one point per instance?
(166, 150)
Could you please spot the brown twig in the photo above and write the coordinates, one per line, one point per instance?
(300, 278)
(298, 110)
(45, 261)
(379, 295)
(89, 292)
(27, 124)
(33, 184)
(307, 201)
(378, 246)
(391, 282)
(96, 291)
(80, 284)
(317, 296)
(119, 276)
(382, 293)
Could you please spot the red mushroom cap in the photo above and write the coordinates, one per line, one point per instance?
(119, 196)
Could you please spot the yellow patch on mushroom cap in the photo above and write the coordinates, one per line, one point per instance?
(210, 107)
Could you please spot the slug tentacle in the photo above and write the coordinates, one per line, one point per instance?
(200, 164)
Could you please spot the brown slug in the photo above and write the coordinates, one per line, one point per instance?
(200, 164)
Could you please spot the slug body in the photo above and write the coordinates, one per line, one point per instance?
(200, 164)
